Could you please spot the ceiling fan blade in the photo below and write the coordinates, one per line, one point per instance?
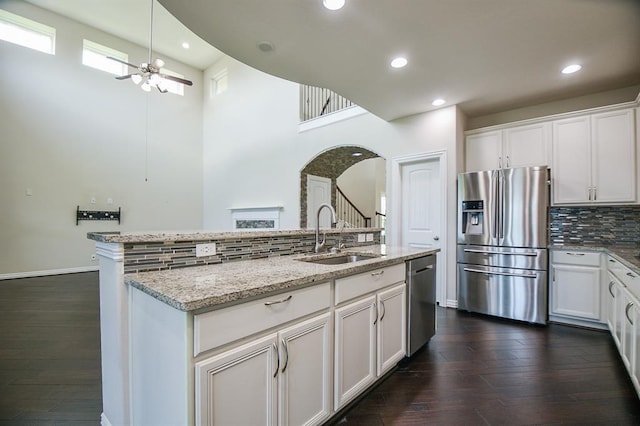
(122, 62)
(123, 77)
(176, 79)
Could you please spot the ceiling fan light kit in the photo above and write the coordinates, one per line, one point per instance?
(149, 72)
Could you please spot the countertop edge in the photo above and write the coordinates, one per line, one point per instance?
(329, 272)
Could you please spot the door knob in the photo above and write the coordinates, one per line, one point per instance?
(436, 238)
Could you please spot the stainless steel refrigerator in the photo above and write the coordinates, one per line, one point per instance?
(502, 243)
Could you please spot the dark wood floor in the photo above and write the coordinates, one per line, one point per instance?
(50, 351)
(479, 370)
(475, 371)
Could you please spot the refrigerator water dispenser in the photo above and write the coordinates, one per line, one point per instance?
(472, 217)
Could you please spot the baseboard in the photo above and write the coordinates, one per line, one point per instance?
(32, 274)
(452, 303)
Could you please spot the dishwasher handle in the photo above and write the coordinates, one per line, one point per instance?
(422, 270)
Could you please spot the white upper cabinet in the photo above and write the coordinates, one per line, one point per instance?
(483, 151)
(594, 159)
(518, 146)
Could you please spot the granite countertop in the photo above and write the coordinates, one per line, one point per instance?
(202, 287)
(626, 254)
(201, 235)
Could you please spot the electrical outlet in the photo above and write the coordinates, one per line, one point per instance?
(208, 249)
(369, 237)
(361, 238)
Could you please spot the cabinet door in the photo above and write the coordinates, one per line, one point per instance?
(613, 157)
(571, 160)
(483, 151)
(304, 383)
(392, 330)
(238, 387)
(355, 349)
(635, 376)
(627, 329)
(575, 291)
(612, 294)
(527, 145)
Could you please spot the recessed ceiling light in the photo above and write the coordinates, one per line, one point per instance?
(266, 46)
(333, 4)
(399, 62)
(571, 69)
(438, 102)
(357, 154)
(185, 45)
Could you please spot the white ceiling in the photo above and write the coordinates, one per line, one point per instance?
(484, 55)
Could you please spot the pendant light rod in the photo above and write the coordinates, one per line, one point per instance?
(151, 32)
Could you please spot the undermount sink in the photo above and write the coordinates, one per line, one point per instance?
(338, 260)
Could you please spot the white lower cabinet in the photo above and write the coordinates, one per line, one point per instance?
(283, 378)
(624, 316)
(355, 349)
(370, 338)
(576, 293)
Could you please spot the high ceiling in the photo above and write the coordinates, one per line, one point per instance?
(484, 55)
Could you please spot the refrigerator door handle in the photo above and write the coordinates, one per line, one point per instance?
(506, 274)
(499, 252)
(495, 193)
(501, 207)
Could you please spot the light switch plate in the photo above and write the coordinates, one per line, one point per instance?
(361, 238)
(208, 249)
(369, 237)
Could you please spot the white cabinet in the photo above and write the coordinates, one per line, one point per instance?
(517, 146)
(236, 379)
(370, 329)
(392, 330)
(575, 288)
(624, 316)
(284, 377)
(594, 158)
(355, 349)
(370, 340)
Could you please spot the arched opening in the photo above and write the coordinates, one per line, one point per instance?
(355, 174)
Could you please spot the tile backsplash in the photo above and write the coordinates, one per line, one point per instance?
(608, 225)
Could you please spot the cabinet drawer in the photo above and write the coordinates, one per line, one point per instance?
(630, 279)
(576, 257)
(216, 328)
(366, 282)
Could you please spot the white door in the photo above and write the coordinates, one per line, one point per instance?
(422, 202)
(318, 192)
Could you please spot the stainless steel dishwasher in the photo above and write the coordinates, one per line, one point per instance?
(421, 302)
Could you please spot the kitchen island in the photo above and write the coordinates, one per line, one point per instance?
(291, 338)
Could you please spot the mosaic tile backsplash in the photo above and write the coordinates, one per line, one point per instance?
(155, 256)
(618, 225)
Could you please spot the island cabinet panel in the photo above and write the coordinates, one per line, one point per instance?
(160, 361)
(216, 328)
(614, 293)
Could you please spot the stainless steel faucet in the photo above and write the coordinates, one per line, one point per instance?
(319, 244)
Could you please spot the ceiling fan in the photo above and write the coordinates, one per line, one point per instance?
(148, 73)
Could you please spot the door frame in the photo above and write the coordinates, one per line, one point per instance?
(395, 218)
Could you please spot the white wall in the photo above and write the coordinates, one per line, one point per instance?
(253, 152)
(360, 183)
(70, 133)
